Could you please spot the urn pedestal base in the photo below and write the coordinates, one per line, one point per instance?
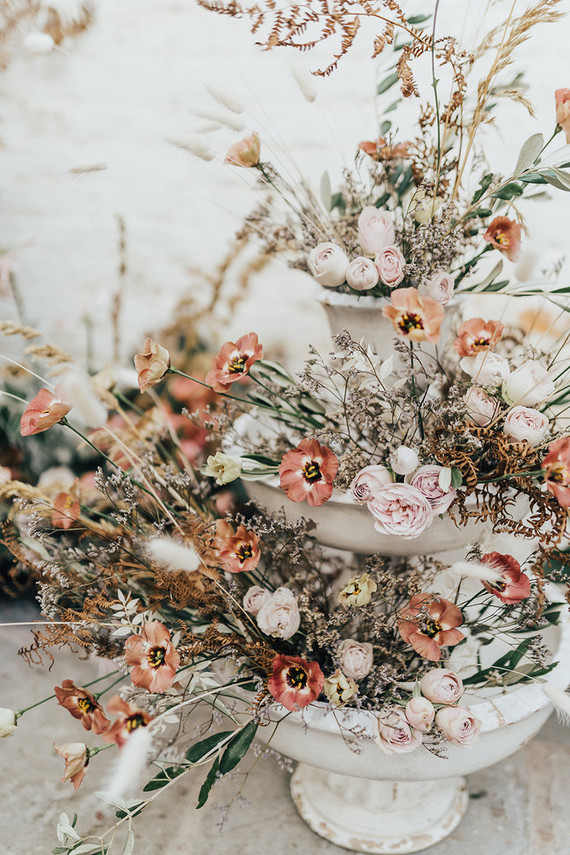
(378, 816)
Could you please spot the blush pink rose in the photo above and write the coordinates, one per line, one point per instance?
(279, 615)
(254, 598)
(328, 264)
(458, 725)
(480, 407)
(355, 657)
(391, 266)
(426, 480)
(526, 423)
(420, 714)
(395, 736)
(401, 510)
(362, 274)
(368, 481)
(375, 230)
(486, 368)
(441, 686)
(562, 99)
(439, 287)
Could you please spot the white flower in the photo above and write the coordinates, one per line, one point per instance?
(328, 263)
(362, 274)
(404, 460)
(375, 230)
(279, 615)
(7, 722)
(458, 725)
(528, 385)
(355, 657)
(480, 407)
(526, 423)
(254, 598)
(223, 467)
(486, 368)
(339, 688)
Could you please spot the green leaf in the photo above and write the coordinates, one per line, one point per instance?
(484, 185)
(391, 107)
(326, 193)
(456, 477)
(387, 83)
(509, 191)
(133, 811)
(381, 201)
(533, 178)
(418, 19)
(385, 126)
(208, 783)
(529, 152)
(200, 749)
(337, 201)
(238, 747)
(164, 777)
(260, 458)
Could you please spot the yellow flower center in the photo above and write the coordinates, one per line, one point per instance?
(312, 472)
(85, 705)
(243, 552)
(559, 473)
(431, 627)
(237, 364)
(134, 721)
(296, 677)
(155, 657)
(410, 321)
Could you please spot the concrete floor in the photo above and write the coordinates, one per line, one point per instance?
(517, 808)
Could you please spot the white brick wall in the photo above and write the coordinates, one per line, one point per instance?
(115, 94)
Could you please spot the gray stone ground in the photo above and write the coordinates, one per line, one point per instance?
(517, 808)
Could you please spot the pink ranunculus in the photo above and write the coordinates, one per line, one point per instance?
(476, 335)
(556, 467)
(480, 407)
(368, 481)
(308, 472)
(254, 598)
(562, 99)
(401, 510)
(355, 657)
(526, 423)
(486, 368)
(391, 266)
(279, 615)
(415, 318)
(44, 411)
(429, 623)
(375, 230)
(458, 725)
(426, 480)
(441, 686)
(362, 274)
(514, 585)
(420, 714)
(246, 152)
(395, 736)
(439, 287)
(328, 264)
(528, 385)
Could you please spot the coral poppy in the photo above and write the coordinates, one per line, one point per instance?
(476, 335)
(76, 756)
(295, 683)
(556, 467)
(153, 656)
(43, 412)
(307, 472)
(414, 317)
(151, 364)
(381, 150)
(505, 235)
(428, 623)
(66, 510)
(514, 586)
(246, 152)
(129, 719)
(82, 705)
(237, 550)
(234, 362)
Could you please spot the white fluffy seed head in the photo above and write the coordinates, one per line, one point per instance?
(130, 764)
(222, 117)
(475, 570)
(226, 99)
(174, 555)
(80, 393)
(193, 144)
(560, 700)
(304, 79)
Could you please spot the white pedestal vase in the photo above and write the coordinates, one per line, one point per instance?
(368, 801)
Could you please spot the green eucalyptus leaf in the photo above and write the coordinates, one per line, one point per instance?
(387, 83)
(238, 747)
(208, 783)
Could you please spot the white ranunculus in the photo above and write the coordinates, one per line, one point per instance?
(526, 423)
(375, 230)
(404, 460)
(486, 368)
(439, 287)
(362, 274)
(7, 722)
(528, 385)
(279, 615)
(328, 264)
(254, 598)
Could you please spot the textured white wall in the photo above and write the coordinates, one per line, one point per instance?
(117, 93)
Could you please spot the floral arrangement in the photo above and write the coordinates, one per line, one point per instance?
(167, 563)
